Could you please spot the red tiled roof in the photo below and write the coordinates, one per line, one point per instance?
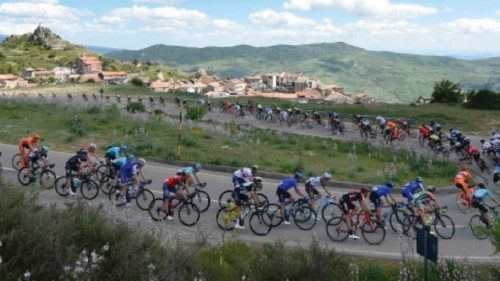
(8, 77)
(113, 73)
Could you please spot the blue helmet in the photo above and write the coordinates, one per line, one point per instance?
(130, 157)
(123, 147)
(389, 184)
(418, 179)
(196, 167)
(298, 175)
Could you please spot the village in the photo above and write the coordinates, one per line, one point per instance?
(282, 85)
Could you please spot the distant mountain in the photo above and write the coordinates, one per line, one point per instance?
(102, 50)
(390, 77)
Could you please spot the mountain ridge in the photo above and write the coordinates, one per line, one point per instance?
(389, 76)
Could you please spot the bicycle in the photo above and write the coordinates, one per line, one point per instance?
(88, 188)
(328, 208)
(259, 220)
(45, 175)
(463, 202)
(372, 231)
(478, 225)
(187, 212)
(199, 197)
(18, 162)
(442, 223)
(230, 194)
(303, 215)
(143, 196)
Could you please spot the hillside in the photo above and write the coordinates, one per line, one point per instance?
(44, 49)
(390, 77)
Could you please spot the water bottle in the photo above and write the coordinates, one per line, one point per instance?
(288, 209)
(76, 182)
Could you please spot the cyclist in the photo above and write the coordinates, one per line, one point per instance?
(114, 152)
(313, 193)
(129, 175)
(496, 174)
(284, 197)
(377, 193)
(90, 149)
(473, 152)
(346, 203)
(391, 128)
(243, 175)
(26, 146)
(365, 125)
(487, 147)
(74, 167)
(37, 158)
(411, 188)
(242, 198)
(477, 202)
(495, 138)
(461, 182)
(190, 173)
(381, 122)
(421, 199)
(173, 188)
(435, 127)
(317, 117)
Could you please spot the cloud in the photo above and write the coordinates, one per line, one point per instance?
(161, 15)
(364, 8)
(39, 10)
(473, 26)
(225, 24)
(272, 18)
(157, 1)
(384, 27)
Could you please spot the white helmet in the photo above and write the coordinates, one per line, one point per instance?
(142, 161)
(327, 176)
(93, 145)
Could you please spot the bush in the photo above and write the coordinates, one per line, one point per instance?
(195, 112)
(136, 82)
(135, 106)
(483, 99)
(446, 91)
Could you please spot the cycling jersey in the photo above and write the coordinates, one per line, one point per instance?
(128, 171)
(287, 183)
(113, 152)
(119, 162)
(481, 193)
(391, 125)
(461, 177)
(347, 200)
(35, 156)
(377, 192)
(421, 198)
(171, 185)
(27, 142)
(243, 173)
(311, 184)
(472, 150)
(188, 170)
(410, 188)
(73, 164)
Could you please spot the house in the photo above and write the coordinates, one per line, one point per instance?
(310, 94)
(209, 79)
(43, 74)
(160, 86)
(255, 81)
(270, 80)
(113, 77)
(88, 64)
(90, 77)
(364, 98)
(235, 86)
(215, 87)
(28, 73)
(62, 73)
(422, 100)
(196, 88)
(7, 79)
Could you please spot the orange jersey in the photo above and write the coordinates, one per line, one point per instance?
(462, 176)
(173, 181)
(391, 125)
(27, 141)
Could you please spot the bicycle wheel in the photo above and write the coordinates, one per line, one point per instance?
(156, 210)
(484, 168)
(444, 226)
(258, 223)
(105, 184)
(224, 197)
(478, 227)
(23, 178)
(409, 225)
(263, 199)
(60, 187)
(188, 214)
(273, 210)
(396, 220)
(102, 171)
(463, 206)
(17, 162)
(337, 229)
(89, 189)
(373, 232)
(331, 210)
(224, 220)
(201, 199)
(412, 134)
(115, 195)
(47, 179)
(144, 198)
(305, 217)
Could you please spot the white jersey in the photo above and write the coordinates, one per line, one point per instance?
(314, 181)
(243, 173)
(284, 115)
(380, 120)
(486, 145)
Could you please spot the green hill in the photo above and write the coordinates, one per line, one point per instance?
(390, 77)
(44, 49)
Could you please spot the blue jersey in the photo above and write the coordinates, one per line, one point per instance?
(381, 190)
(287, 183)
(127, 170)
(411, 187)
(481, 193)
(113, 151)
(497, 169)
(120, 161)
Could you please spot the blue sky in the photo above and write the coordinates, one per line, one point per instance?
(447, 27)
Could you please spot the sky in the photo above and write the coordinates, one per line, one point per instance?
(446, 27)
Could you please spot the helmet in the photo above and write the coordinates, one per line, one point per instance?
(458, 134)
(181, 173)
(130, 157)
(289, 110)
(278, 108)
(123, 147)
(481, 185)
(389, 184)
(93, 146)
(255, 167)
(327, 175)
(196, 167)
(418, 179)
(464, 167)
(364, 190)
(142, 161)
(482, 141)
(35, 136)
(298, 175)
(378, 117)
(432, 122)
(45, 148)
(431, 188)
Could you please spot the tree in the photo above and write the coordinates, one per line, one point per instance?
(195, 112)
(446, 91)
(136, 82)
(484, 99)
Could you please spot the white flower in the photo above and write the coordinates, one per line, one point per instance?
(1, 260)
(151, 267)
(105, 247)
(94, 256)
(27, 275)
(0, 243)
(66, 268)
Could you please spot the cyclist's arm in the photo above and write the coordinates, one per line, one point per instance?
(494, 199)
(393, 200)
(299, 192)
(364, 207)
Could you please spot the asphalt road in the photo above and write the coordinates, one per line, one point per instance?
(463, 243)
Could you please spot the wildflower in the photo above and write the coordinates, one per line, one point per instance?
(151, 267)
(27, 275)
(94, 256)
(105, 248)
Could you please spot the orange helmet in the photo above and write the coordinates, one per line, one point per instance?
(464, 167)
(35, 136)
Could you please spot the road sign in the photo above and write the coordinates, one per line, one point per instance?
(428, 249)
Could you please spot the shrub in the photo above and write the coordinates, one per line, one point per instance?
(136, 82)
(483, 99)
(195, 112)
(135, 106)
(446, 91)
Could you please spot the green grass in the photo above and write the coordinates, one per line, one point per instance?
(68, 128)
